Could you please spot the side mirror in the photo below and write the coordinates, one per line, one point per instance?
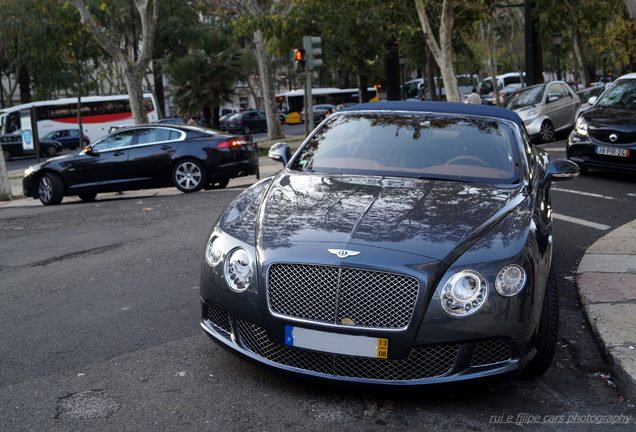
(90, 151)
(592, 100)
(560, 169)
(280, 152)
(553, 98)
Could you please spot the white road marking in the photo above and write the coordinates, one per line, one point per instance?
(590, 194)
(583, 222)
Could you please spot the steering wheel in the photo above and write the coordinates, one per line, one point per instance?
(467, 158)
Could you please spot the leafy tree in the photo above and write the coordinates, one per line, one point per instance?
(205, 78)
(134, 57)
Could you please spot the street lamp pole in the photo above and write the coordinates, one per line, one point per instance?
(556, 38)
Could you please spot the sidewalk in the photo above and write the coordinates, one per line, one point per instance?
(607, 285)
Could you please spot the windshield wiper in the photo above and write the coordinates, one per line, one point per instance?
(453, 179)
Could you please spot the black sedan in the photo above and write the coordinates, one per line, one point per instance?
(403, 244)
(246, 122)
(141, 157)
(12, 147)
(605, 135)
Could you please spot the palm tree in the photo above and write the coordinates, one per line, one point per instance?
(205, 78)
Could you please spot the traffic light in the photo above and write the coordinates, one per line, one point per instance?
(299, 60)
(311, 44)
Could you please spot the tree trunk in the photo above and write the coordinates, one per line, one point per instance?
(430, 75)
(442, 52)
(24, 82)
(5, 184)
(487, 37)
(159, 90)
(274, 128)
(392, 72)
(134, 84)
(363, 84)
(579, 57)
(216, 114)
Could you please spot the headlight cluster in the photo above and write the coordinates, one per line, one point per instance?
(238, 269)
(466, 291)
(581, 126)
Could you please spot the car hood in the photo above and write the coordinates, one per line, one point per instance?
(617, 119)
(430, 218)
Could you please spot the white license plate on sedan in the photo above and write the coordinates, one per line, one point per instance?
(611, 151)
(337, 343)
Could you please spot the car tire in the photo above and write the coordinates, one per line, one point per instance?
(546, 133)
(87, 196)
(50, 189)
(188, 175)
(220, 184)
(7, 155)
(51, 151)
(246, 130)
(546, 337)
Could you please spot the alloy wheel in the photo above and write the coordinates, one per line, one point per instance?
(188, 175)
(547, 132)
(45, 189)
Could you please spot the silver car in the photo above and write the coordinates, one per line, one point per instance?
(546, 109)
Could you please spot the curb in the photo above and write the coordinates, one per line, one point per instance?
(606, 280)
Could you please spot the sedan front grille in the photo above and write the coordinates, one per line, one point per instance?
(342, 295)
(422, 362)
(490, 352)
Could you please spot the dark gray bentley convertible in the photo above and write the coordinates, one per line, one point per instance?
(403, 244)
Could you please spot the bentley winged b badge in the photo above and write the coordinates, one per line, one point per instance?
(343, 253)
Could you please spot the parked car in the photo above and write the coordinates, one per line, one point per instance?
(546, 109)
(12, 147)
(171, 120)
(509, 90)
(405, 243)
(246, 122)
(605, 134)
(585, 95)
(69, 138)
(321, 111)
(487, 88)
(141, 157)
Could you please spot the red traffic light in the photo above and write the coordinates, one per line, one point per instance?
(299, 55)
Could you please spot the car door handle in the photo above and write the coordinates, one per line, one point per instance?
(166, 147)
(118, 153)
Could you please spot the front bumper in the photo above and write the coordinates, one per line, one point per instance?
(424, 365)
(583, 151)
(28, 186)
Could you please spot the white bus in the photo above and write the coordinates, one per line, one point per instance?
(293, 101)
(99, 114)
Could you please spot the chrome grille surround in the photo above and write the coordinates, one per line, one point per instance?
(330, 294)
(219, 319)
(423, 362)
(490, 352)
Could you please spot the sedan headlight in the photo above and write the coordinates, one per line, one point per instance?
(510, 280)
(213, 252)
(239, 269)
(464, 293)
(28, 171)
(581, 126)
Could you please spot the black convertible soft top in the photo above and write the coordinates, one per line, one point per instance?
(440, 107)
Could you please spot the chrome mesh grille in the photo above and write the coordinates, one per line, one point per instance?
(219, 319)
(490, 352)
(422, 362)
(330, 294)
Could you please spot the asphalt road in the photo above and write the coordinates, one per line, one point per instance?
(99, 314)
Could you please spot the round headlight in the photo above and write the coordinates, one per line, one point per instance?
(510, 280)
(213, 252)
(238, 269)
(464, 293)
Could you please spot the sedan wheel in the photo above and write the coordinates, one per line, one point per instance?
(189, 175)
(546, 134)
(51, 151)
(50, 189)
(246, 130)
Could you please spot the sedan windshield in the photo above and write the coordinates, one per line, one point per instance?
(524, 98)
(622, 95)
(409, 145)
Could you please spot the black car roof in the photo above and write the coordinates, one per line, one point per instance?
(440, 107)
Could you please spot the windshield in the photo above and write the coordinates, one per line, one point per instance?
(411, 145)
(622, 94)
(527, 97)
